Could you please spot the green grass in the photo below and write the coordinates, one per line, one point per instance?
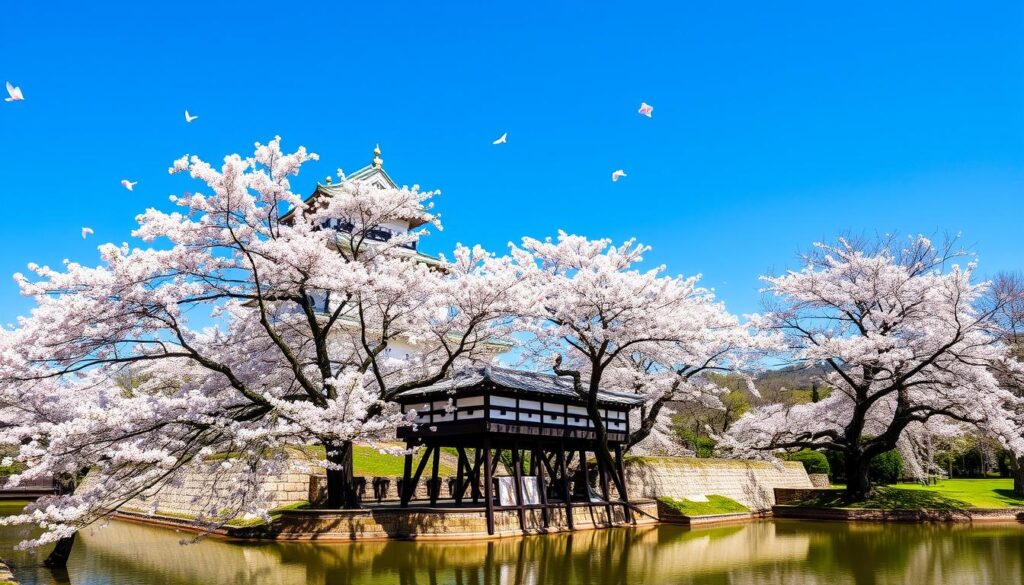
(949, 494)
(714, 505)
(369, 462)
(8, 507)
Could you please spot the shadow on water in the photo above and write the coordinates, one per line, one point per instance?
(782, 551)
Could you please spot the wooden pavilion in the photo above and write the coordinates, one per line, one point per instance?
(490, 413)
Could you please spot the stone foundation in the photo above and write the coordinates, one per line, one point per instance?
(752, 483)
(819, 480)
(862, 515)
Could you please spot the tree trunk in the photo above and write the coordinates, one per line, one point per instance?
(1017, 471)
(58, 558)
(858, 484)
(340, 486)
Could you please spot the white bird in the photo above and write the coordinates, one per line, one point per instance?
(130, 185)
(86, 231)
(646, 109)
(14, 92)
(618, 175)
(190, 118)
(502, 140)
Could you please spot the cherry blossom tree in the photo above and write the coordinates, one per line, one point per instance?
(1006, 299)
(599, 320)
(241, 329)
(906, 340)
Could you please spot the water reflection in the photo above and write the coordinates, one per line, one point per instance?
(763, 552)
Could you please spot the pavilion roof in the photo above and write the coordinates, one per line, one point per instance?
(524, 384)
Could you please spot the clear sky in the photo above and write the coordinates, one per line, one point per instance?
(776, 124)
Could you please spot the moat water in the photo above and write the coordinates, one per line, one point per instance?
(765, 552)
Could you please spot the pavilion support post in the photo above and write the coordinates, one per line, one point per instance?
(566, 488)
(407, 474)
(411, 484)
(517, 474)
(488, 485)
(541, 484)
(602, 472)
(435, 481)
(627, 513)
(474, 477)
(460, 488)
(585, 468)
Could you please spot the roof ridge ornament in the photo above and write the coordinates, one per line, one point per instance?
(378, 162)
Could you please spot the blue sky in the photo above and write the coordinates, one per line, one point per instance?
(775, 124)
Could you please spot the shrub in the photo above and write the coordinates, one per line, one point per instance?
(814, 461)
(702, 445)
(886, 468)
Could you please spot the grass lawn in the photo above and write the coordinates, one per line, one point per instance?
(8, 507)
(714, 505)
(946, 495)
(369, 462)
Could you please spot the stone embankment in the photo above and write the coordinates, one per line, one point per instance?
(208, 491)
(751, 483)
(788, 506)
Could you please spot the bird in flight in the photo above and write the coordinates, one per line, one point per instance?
(14, 93)
(86, 231)
(618, 175)
(130, 185)
(502, 140)
(646, 109)
(189, 118)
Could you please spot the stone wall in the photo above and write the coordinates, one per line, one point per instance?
(441, 523)
(751, 483)
(209, 490)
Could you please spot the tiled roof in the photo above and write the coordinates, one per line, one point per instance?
(520, 382)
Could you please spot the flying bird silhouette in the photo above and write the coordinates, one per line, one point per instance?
(86, 231)
(190, 118)
(618, 175)
(646, 109)
(130, 185)
(502, 140)
(14, 93)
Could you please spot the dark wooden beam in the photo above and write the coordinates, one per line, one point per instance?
(488, 489)
(541, 484)
(622, 481)
(460, 486)
(410, 486)
(517, 474)
(407, 474)
(434, 479)
(566, 488)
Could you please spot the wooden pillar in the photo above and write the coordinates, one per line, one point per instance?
(585, 468)
(410, 485)
(538, 453)
(488, 489)
(602, 473)
(474, 477)
(434, 479)
(517, 474)
(627, 512)
(566, 487)
(406, 474)
(460, 488)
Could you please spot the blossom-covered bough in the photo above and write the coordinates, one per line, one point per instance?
(599, 320)
(907, 338)
(238, 332)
